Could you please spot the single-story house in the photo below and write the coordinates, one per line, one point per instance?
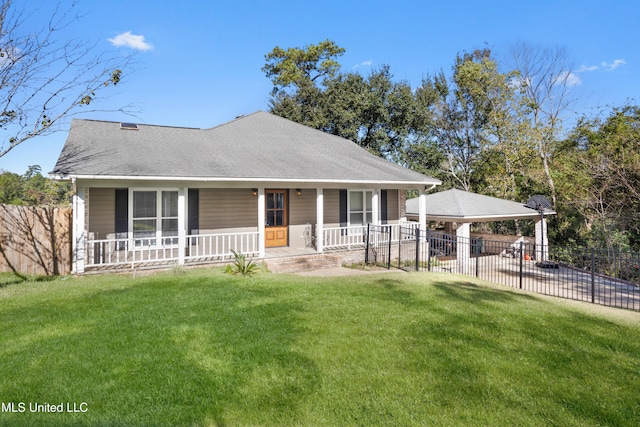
(159, 194)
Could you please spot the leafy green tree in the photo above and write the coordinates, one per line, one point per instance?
(10, 188)
(296, 67)
(472, 120)
(33, 189)
(375, 111)
(599, 170)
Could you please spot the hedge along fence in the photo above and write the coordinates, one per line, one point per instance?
(35, 240)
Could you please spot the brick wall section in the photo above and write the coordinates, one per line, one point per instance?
(295, 264)
(353, 257)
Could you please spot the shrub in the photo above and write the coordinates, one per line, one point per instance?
(242, 265)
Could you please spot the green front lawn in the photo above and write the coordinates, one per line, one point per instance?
(207, 348)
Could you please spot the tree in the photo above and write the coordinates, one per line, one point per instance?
(545, 82)
(600, 166)
(33, 189)
(472, 117)
(44, 79)
(298, 67)
(375, 112)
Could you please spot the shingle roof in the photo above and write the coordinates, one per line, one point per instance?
(464, 206)
(257, 146)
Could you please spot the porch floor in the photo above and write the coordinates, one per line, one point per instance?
(288, 252)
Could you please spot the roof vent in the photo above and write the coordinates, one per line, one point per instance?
(129, 126)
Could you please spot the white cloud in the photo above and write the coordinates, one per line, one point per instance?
(603, 66)
(132, 41)
(569, 78)
(615, 64)
(367, 64)
(586, 68)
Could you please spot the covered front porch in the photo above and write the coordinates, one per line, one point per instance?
(212, 223)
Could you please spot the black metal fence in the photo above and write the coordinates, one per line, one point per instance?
(379, 245)
(599, 276)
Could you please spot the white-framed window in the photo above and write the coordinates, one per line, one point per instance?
(154, 216)
(360, 207)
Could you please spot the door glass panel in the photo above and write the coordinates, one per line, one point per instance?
(276, 209)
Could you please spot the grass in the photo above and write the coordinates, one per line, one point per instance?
(206, 348)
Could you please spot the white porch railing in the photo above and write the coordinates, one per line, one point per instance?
(113, 253)
(211, 247)
(347, 238)
(201, 247)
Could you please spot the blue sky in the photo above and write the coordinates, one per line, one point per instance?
(199, 62)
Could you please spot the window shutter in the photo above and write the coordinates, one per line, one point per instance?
(343, 208)
(122, 213)
(383, 206)
(193, 210)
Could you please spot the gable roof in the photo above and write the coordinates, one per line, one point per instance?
(463, 206)
(257, 147)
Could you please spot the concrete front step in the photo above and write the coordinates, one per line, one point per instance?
(296, 264)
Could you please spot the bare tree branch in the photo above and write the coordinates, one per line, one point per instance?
(45, 79)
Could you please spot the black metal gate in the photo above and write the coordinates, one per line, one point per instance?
(378, 245)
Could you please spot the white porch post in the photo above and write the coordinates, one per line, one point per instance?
(375, 206)
(542, 241)
(320, 220)
(261, 221)
(422, 209)
(79, 234)
(463, 235)
(182, 224)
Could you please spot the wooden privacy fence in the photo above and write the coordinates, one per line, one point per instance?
(35, 240)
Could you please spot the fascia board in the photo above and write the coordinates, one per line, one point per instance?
(374, 183)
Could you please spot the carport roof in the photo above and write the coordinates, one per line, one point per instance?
(463, 206)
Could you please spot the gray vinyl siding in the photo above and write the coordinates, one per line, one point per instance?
(227, 208)
(302, 208)
(332, 207)
(102, 220)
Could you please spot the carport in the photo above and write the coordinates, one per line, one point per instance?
(463, 208)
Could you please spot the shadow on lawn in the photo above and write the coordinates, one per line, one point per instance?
(7, 279)
(472, 340)
(468, 292)
(164, 351)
